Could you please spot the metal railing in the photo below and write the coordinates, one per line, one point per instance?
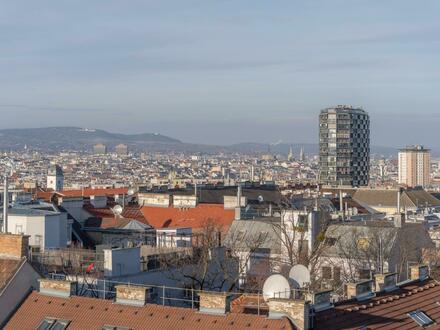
(246, 302)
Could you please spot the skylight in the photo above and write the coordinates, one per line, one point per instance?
(420, 318)
(53, 324)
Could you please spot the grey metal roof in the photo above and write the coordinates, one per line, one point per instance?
(261, 233)
(25, 211)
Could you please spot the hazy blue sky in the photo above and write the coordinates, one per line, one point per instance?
(221, 71)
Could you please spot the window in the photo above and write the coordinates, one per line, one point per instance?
(19, 229)
(326, 273)
(420, 318)
(53, 324)
(302, 220)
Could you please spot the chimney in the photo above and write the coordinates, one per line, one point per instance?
(214, 302)
(57, 288)
(419, 272)
(14, 246)
(385, 282)
(399, 220)
(133, 295)
(360, 290)
(297, 311)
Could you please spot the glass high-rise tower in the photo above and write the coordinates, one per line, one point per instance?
(344, 146)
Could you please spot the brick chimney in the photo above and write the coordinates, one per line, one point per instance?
(134, 295)
(360, 290)
(214, 302)
(14, 246)
(385, 282)
(296, 310)
(57, 288)
(419, 272)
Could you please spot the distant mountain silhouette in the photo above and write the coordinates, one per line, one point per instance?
(53, 139)
(73, 138)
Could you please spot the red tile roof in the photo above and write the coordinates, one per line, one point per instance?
(170, 217)
(87, 192)
(386, 310)
(106, 223)
(134, 212)
(99, 212)
(91, 313)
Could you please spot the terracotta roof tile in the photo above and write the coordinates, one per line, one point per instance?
(87, 192)
(386, 310)
(90, 313)
(170, 217)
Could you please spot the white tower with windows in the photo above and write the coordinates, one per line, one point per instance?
(55, 178)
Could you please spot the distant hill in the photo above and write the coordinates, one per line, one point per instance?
(74, 138)
(54, 139)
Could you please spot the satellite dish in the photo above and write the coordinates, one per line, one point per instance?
(131, 191)
(276, 286)
(260, 199)
(117, 209)
(299, 276)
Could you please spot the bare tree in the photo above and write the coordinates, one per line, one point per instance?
(211, 266)
(302, 242)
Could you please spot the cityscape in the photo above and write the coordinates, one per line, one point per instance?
(148, 192)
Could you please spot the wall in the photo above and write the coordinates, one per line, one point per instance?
(184, 201)
(74, 206)
(16, 290)
(55, 231)
(159, 200)
(13, 246)
(179, 237)
(122, 262)
(32, 226)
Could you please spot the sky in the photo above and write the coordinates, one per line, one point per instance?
(222, 71)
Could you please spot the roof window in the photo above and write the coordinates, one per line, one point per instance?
(421, 318)
(53, 324)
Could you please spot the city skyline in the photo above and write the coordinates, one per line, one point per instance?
(222, 72)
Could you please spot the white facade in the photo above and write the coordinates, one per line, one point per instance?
(55, 178)
(46, 229)
(122, 262)
(414, 166)
(174, 237)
